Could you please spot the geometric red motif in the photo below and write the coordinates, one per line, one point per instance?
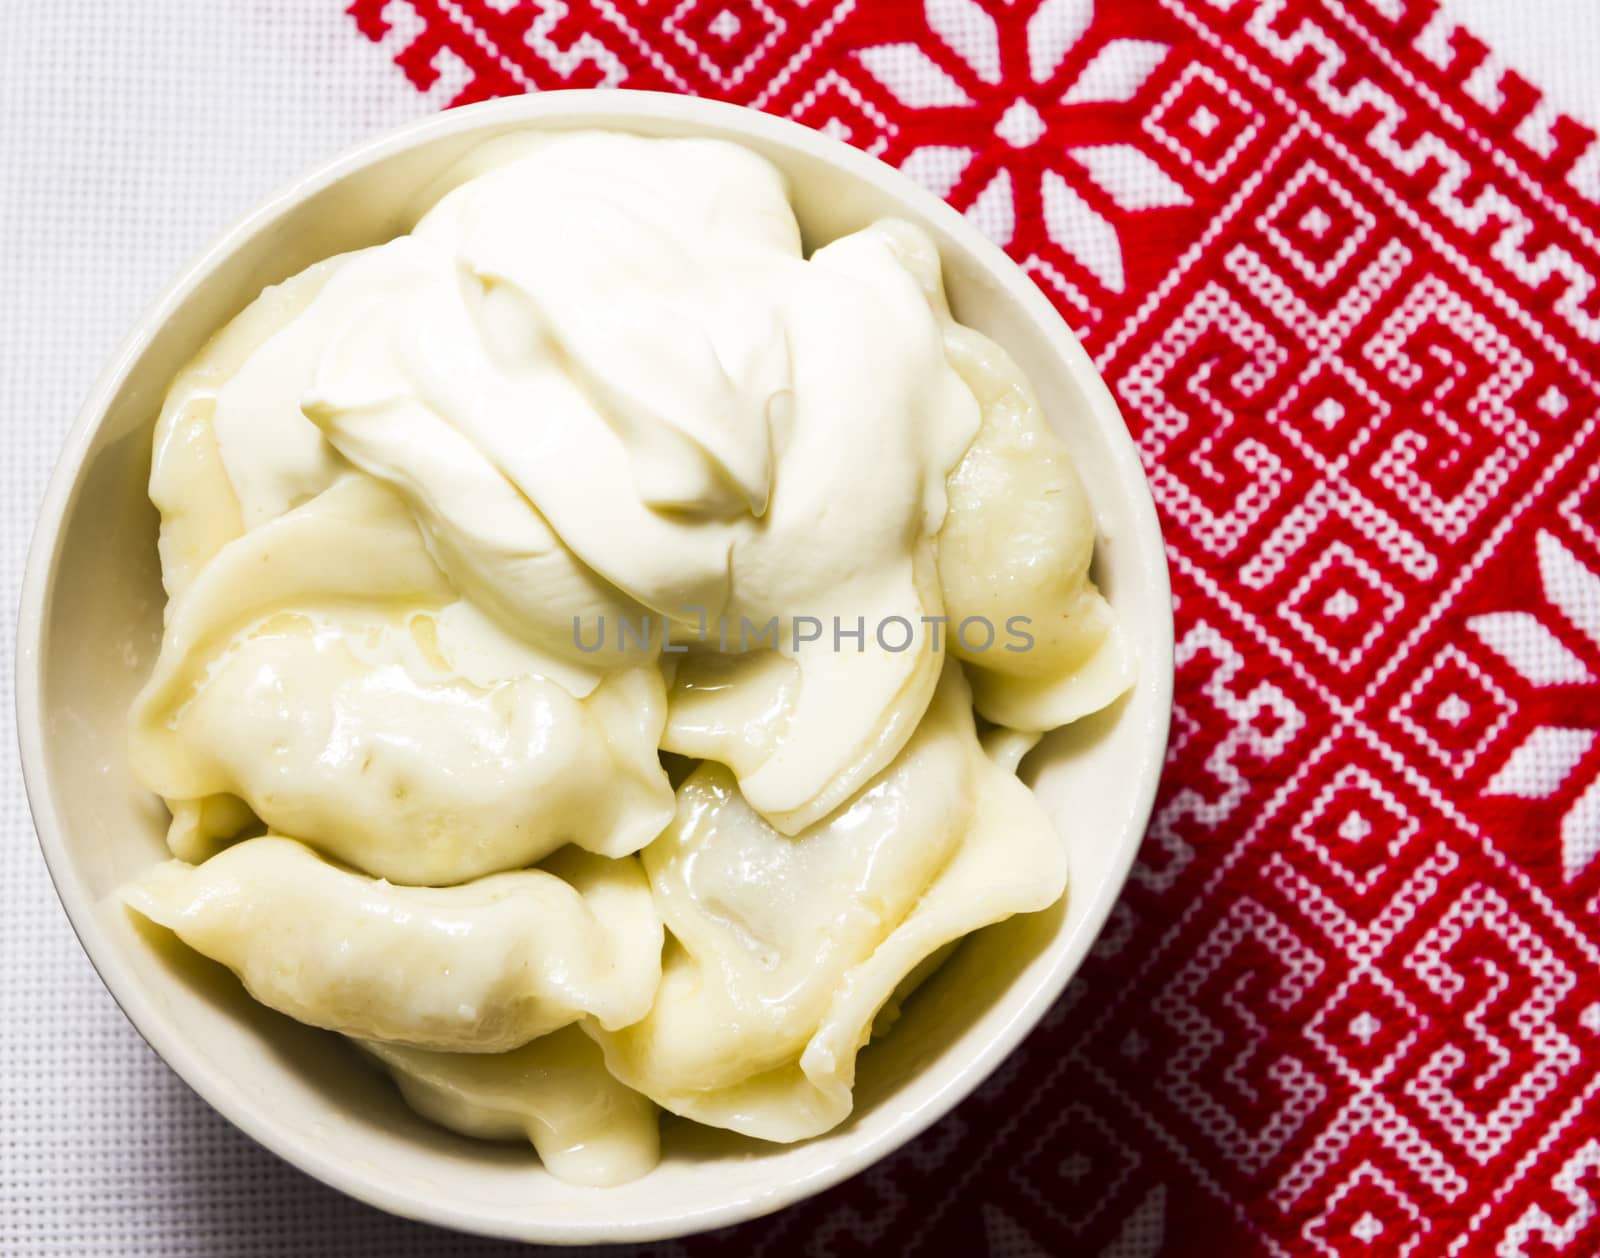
(1355, 826)
(1341, 273)
(726, 37)
(1333, 412)
(1455, 708)
(1080, 1153)
(1367, 1027)
(1367, 1214)
(1342, 605)
(1316, 225)
(1204, 121)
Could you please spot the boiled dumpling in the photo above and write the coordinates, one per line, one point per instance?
(797, 911)
(189, 482)
(419, 779)
(353, 545)
(1016, 542)
(553, 1091)
(785, 948)
(286, 681)
(480, 968)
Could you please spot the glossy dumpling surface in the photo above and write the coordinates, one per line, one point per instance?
(481, 968)
(554, 1092)
(189, 481)
(1017, 541)
(786, 947)
(422, 778)
(319, 672)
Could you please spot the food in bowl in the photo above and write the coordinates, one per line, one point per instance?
(601, 639)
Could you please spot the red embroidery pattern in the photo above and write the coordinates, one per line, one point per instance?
(1340, 268)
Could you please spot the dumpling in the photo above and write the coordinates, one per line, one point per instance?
(785, 948)
(800, 910)
(420, 779)
(553, 1091)
(189, 482)
(288, 681)
(480, 968)
(353, 545)
(1016, 542)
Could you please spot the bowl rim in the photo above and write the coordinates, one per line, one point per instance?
(616, 108)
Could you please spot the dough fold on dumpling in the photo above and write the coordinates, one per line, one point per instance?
(232, 448)
(554, 1091)
(304, 673)
(426, 780)
(244, 383)
(1017, 541)
(480, 968)
(784, 948)
(352, 545)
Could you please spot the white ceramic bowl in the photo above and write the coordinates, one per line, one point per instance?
(88, 631)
